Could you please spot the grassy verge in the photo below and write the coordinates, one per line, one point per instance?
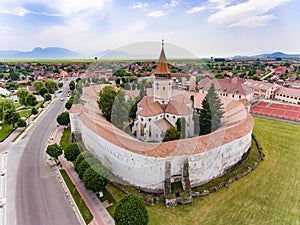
(66, 138)
(5, 131)
(85, 212)
(268, 195)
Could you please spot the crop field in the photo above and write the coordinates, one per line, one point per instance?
(268, 195)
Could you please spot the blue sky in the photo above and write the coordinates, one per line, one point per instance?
(206, 28)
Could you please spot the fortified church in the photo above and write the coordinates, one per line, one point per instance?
(155, 114)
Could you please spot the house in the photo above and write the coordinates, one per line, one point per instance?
(288, 95)
(4, 92)
(155, 114)
(231, 88)
(262, 89)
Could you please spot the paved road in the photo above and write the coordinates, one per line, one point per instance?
(40, 199)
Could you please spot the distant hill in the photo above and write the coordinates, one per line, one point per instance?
(115, 54)
(40, 53)
(271, 55)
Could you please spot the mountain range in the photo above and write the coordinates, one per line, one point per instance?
(41, 53)
(63, 53)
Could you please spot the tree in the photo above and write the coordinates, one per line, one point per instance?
(142, 91)
(63, 119)
(43, 91)
(11, 116)
(60, 85)
(47, 97)
(30, 100)
(83, 155)
(34, 111)
(38, 85)
(69, 104)
(119, 111)
(84, 165)
(72, 85)
(106, 100)
(51, 85)
(72, 151)
(172, 134)
(5, 104)
(96, 178)
(54, 151)
(211, 112)
(131, 209)
(21, 123)
(22, 94)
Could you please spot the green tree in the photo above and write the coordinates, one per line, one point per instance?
(130, 210)
(54, 151)
(63, 119)
(38, 85)
(142, 91)
(60, 85)
(21, 123)
(106, 100)
(43, 91)
(119, 111)
(96, 178)
(172, 134)
(11, 116)
(211, 112)
(30, 100)
(5, 104)
(51, 85)
(83, 155)
(72, 85)
(22, 94)
(69, 104)
(72, 151)
(181, 124)
(47, 97)
(84, 165)
(34, 111)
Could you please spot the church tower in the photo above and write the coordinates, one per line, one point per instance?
(162, 82)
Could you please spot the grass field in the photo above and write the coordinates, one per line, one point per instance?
(5, 131)
(268, 195)
(65, 138)
(85, 212)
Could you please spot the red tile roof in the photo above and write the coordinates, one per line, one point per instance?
(150, 108)
(162, 67)
(162, 124)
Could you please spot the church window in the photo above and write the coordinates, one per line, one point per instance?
(164, 88)
(157, 88)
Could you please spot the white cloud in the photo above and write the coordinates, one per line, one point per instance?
(139, 5)
(171, 4)
(196, 9)
(157, 13)
(55, 7)
(5, 29)
(240, 14)
(252, 22)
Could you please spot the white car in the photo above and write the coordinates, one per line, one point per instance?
(62, 99)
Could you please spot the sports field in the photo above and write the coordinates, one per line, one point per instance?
(282, 111)
(268, 195)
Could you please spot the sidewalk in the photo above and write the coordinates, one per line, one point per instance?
(97, 208)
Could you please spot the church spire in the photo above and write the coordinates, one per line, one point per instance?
(162, 64)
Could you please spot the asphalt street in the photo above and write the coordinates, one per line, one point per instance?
(39, 197)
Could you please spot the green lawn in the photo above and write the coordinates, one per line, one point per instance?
(85, 212)
(25, 113)
(66, 138)
(5, 131)
(268, 195)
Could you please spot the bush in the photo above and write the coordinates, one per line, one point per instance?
(72, 151)
(131, 210)
(84, 165)
(47, 97)
(83, 155)
(21, 123)
(34, 111)
(95, 178)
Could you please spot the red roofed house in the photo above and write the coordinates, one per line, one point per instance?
(288, 95)
(155, 114)
(231, 88)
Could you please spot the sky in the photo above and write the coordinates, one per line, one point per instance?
(218, 28)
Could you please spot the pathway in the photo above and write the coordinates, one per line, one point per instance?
(97, 208)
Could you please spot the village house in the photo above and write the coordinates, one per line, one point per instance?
(261, 89)
(231, 88)
(288, 95)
